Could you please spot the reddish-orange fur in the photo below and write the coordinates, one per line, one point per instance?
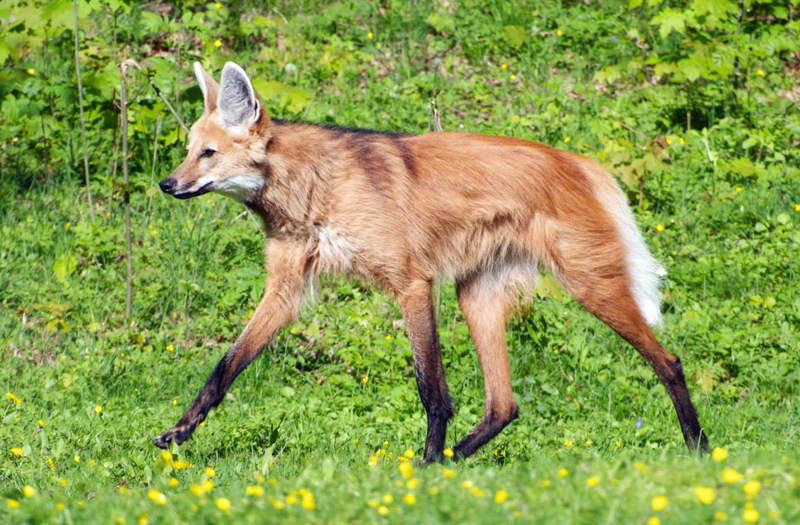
(402, 211)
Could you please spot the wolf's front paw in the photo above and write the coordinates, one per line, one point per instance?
(177, 434)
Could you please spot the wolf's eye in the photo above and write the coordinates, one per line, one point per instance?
(207, 153)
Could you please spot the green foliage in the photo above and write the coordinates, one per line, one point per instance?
(692, 104)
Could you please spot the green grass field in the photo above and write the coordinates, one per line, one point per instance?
(326, 426)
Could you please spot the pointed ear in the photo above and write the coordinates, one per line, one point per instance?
(237, 101)
(208, 86)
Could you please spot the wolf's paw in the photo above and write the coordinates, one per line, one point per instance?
(177, 434)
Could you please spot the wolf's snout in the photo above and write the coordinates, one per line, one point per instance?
(167, 185)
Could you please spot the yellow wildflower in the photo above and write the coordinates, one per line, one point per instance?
(669, 141)
(98, 409)
(409, 499)
(567, 443)
(254, 491)
(654, 521)
(210, 471)
(409, 454)
(156, 496)
(412, 483)
(59, 506)
(704, 494)
(14, 504)
(143, 519)
(546, 483)
(217, 43)
(370, 35)
(449, 451)
(752, 487)
(373, 460)
(170, 348)
(500, 496)
(387, 498)
(16, 451)
(66, 227)
(681, 141)
(751, 515)
(467, 484)
(50, 464)
(63, 482)
(383, 511)
(512, 77)
(504, 66)
(559, 33)
(719, 454)
(567, 139)
(563, 473)
(721, 516)
(31, 71)
(77, 459)
(218, 5)
(659, 503)
(373, 504)
(223, 504)
(449, 473)
(594, 480)
(13, 398)
(660, 228)
(760, 73)
(738, 188)
(29, 491)
(731, 475)
(364, 379)
(173, 482)
(797, 207)
(207, 486)
(197, 490)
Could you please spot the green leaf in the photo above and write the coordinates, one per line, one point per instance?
(668, 21)
(64, 266)
(515, 36)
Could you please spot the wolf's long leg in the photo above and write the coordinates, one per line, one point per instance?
(286, 269)
(485, 305)
(416, 303)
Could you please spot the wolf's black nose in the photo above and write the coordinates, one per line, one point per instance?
(167, 185)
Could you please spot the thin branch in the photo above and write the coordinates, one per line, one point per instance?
(83, 119)
(153, 171)
(131, 62)
(127, 193)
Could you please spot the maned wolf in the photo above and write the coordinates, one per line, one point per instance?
(403, 210)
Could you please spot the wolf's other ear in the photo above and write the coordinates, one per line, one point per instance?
(208, 86)
(237, 99)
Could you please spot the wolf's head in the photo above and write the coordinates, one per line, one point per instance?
(227, 145)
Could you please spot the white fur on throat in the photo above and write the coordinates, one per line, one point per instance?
(644, 271)
(239, 186)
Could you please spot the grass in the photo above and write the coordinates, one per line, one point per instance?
(89, 389)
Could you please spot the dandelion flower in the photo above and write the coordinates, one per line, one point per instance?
(738, 188)
(760, 73)
(412, 483)
(669, 141)
(545, 482)
(66, 226)
(13, 398)
(143, 519)
(660, 228)
(223, 504)
(731, 475)
(29, 491)
(563, 473)
(59, 506)
(373, 460)
(373, 504)
(567, 139)
(210, 471)
(77, 459)
(751, 515)
(559, 33)
(752, 487)
(387, 498)
(594, 480)
(173, 482)
(383, 511)
(197, 490)
(467, 484)
(719, 454)
(207, 486)
(659, 503)
(14, 504)
(512, 77)
(797, 207)
(364, 379)
(170, 348)
(567, 443)
(409, 499)
(50, 464)
(63, 482)
(217, 43)
(31, 71)
(654, 521)
(16, 451)
(449, 473)
(681, 141)
(500, 496)
(156, 496)
(218, 5)
(409, 454)
(98, 409)
(449, 451)
(254, 491)
(704, 494)
(370, 35)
